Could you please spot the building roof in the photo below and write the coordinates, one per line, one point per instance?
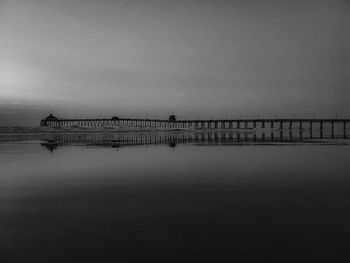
(51, 118)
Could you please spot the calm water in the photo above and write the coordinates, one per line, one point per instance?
(175, 197)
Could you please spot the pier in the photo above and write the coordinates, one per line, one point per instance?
(173, 123)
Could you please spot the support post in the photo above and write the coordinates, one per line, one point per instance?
(344, 130)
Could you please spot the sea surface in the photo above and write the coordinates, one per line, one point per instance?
(277, 196)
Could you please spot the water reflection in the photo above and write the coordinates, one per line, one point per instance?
(91, 202)
(172, 139)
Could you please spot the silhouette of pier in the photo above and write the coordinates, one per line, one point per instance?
(173, 123)
(172, 139)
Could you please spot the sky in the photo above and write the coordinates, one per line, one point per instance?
(150, 58)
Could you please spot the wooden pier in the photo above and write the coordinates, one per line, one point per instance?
(171, 123)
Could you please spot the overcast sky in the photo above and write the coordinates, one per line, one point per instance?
(149, 58)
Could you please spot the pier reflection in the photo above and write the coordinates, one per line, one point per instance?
(172, 139)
